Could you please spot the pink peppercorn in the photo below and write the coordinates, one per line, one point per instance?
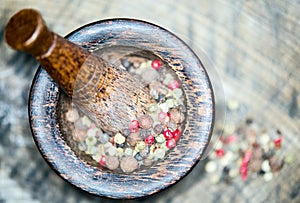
(245, 162)
(231, 138)
(220, 152)
(156, 64)
(177, 134)
(277, 142)
(247, 157)
(171, 143)
(173, 84)
(149, 140)
(244, 171)
(168, 134)
(134, 126)
(102, 161)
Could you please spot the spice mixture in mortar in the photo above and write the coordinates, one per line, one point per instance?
(148, 138)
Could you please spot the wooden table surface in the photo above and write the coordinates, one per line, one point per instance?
(251, 51)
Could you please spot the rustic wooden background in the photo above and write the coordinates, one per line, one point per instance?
(252, 46)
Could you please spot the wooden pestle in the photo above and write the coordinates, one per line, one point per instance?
(108, 95)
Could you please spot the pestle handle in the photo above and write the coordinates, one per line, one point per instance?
(26, 31)
(110, 96)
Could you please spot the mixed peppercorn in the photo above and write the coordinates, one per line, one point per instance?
(247, 150)
(149, 137)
